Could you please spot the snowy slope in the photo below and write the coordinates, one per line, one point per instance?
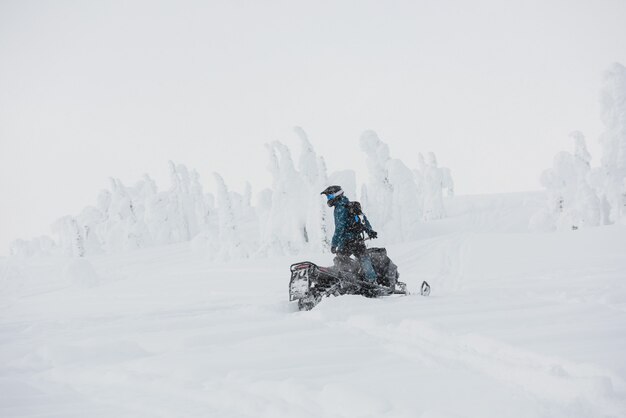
(517, 325)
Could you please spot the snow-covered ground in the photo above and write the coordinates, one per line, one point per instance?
(518, 325)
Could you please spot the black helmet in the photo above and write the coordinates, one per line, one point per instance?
(333, 194)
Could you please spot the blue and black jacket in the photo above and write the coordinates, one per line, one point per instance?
(343, 235)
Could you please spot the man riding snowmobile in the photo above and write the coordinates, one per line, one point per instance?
(350, 226)
(372, 274)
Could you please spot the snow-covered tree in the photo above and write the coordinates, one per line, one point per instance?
(321, 209)
(307, 163)
(89, 220)
(289, 217)
(378, 191)
(572, 203)
(312, 171)
(284, 230)
(405, 216)
(69, 237)
(231, 241)
(181, 206)
(434, 183)
(610, 178)
(397, 197)
(295, 219)
(420, 182)
(199, 212)
(38, 246)
(123, 229)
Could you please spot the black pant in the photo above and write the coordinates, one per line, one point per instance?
(353, 247)
(358, 249)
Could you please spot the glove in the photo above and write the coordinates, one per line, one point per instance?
(373, 234)
(333, 249)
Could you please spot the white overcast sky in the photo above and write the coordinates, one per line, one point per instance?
(94, 89)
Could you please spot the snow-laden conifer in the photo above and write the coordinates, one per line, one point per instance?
(405, 216)
(288, 218)
(230, 239)
(434, 183)
(611, 177)
(571, 201)
(379, 189)
(313, 176)
(284, 230)
(69, 237)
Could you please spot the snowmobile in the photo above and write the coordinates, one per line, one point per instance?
(310, 283)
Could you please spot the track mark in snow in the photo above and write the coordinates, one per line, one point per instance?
(549, 379)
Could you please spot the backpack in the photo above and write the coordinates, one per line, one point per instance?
(356, 222)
